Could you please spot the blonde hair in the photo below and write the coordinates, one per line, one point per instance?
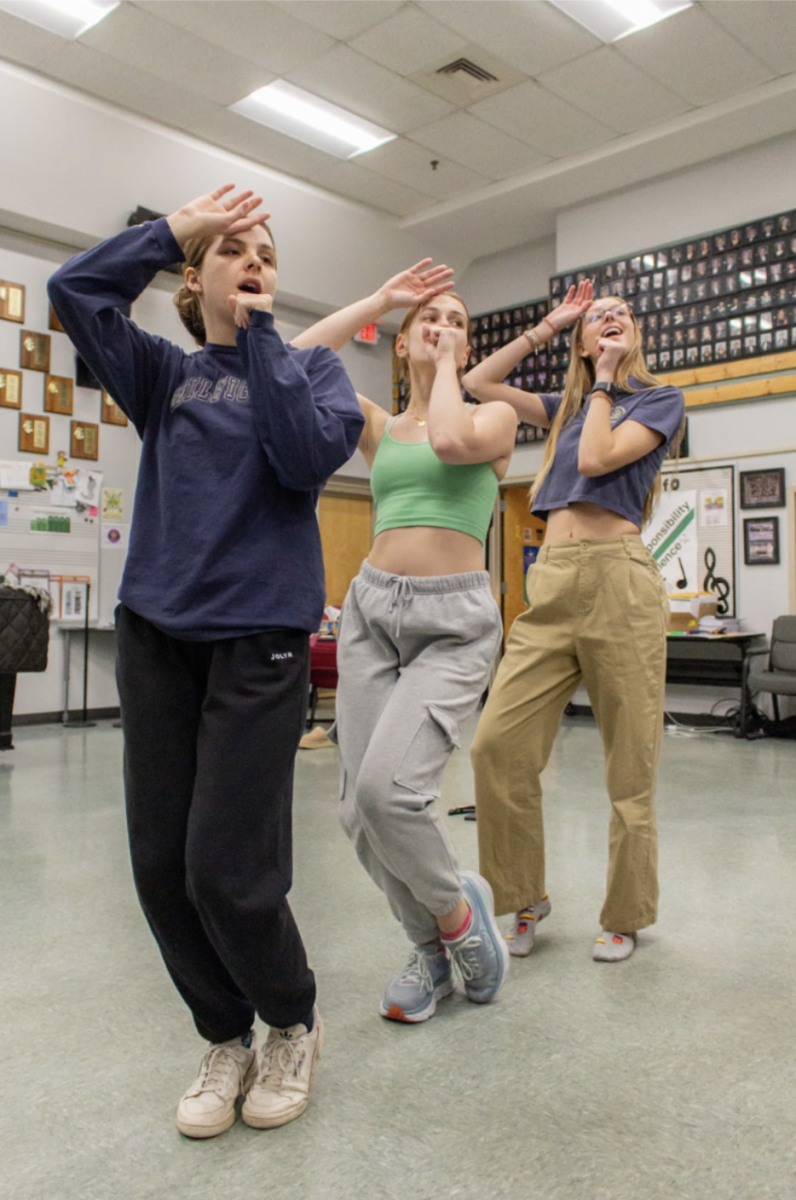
(579, 382)
(187, 302)
(406, 324)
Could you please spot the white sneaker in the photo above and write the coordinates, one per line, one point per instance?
(226, 1072)
(281, 1091)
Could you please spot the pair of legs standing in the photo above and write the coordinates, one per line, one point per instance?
(598, 613)
(414, 658)
(211, 729)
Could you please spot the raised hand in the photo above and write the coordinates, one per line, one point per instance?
(416, 285)
(212, 215)
(243, 303)
(572, 307)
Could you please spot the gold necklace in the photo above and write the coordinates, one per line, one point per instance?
(409, 412)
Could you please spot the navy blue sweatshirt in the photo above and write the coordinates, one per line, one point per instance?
(237, 442)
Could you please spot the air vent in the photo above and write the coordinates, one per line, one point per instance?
(464, 66)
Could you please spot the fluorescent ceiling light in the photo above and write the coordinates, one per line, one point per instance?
(611, 20)
(69, 18)
(301, 115)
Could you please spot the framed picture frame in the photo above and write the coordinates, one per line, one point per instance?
(763, 489)
(761, 541)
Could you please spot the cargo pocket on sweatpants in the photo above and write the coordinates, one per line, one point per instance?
(421, 767)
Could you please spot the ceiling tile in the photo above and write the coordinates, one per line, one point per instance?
(345, 18)
(614, 90)
(369, 90)
(25, 43)
(531, 36)
(408, 41)
(542, 120)
(82, 67)
(348, 179)
(767, 28)
(694, 56)
(261, 33)
(473, 143)
(410, 164)
(159, 48)
(252, 140)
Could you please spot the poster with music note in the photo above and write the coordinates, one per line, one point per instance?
(671, 538)
(692, 533)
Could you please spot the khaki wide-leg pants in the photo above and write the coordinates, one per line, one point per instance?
(598, 613)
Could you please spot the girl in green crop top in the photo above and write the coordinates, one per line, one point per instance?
(419, 633)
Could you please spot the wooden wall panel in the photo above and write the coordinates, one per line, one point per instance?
(346, 535)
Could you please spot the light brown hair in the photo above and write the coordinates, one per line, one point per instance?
(579, 382)
(186, 301)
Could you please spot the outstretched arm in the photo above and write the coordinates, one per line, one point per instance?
(485, 381)
(417, 285)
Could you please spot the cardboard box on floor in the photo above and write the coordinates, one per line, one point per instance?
(688, 608)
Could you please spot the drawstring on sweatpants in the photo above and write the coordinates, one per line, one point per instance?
(401, 594)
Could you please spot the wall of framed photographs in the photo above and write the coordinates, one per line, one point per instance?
(721, 297)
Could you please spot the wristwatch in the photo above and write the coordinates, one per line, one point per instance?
(609, 389)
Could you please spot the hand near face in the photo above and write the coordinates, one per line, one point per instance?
(213, 215)
(441, 341)
(572, 307)
(416, 285)
(611, 351)
(244, 302)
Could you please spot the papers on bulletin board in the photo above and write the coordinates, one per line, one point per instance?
(3, 514)
(88, 485)
(112, 504)
(15, 476)
(114, 536)
(714, 507)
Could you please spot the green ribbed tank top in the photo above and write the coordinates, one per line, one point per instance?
(411, 486)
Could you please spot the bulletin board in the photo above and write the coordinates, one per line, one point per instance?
(41, 381)
(72, 553)
(692, 533)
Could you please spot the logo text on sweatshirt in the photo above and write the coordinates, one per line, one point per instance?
(197, 388)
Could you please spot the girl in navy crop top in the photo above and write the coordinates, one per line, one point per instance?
(418, 636)
(598, 614)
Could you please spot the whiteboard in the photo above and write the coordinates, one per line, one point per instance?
(715, 532)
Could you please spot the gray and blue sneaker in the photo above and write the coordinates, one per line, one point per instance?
(480, 953)
(427, 977)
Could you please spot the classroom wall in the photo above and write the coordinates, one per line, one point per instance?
(88, 165)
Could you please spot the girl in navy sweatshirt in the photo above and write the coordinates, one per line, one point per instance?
(222, 586)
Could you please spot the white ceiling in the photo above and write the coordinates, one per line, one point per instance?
(569, 117)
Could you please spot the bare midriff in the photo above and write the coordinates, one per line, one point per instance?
(584, 522)
(426, 550)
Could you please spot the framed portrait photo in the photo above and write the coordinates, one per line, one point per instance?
(761, 541)
(763, 489)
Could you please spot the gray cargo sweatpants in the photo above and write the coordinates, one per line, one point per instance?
(414, 657)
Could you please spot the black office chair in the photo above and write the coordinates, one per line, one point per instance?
(780, 677)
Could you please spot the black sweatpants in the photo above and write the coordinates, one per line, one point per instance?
(211, 731)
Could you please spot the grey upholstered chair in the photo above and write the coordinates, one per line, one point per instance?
(780, 677)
